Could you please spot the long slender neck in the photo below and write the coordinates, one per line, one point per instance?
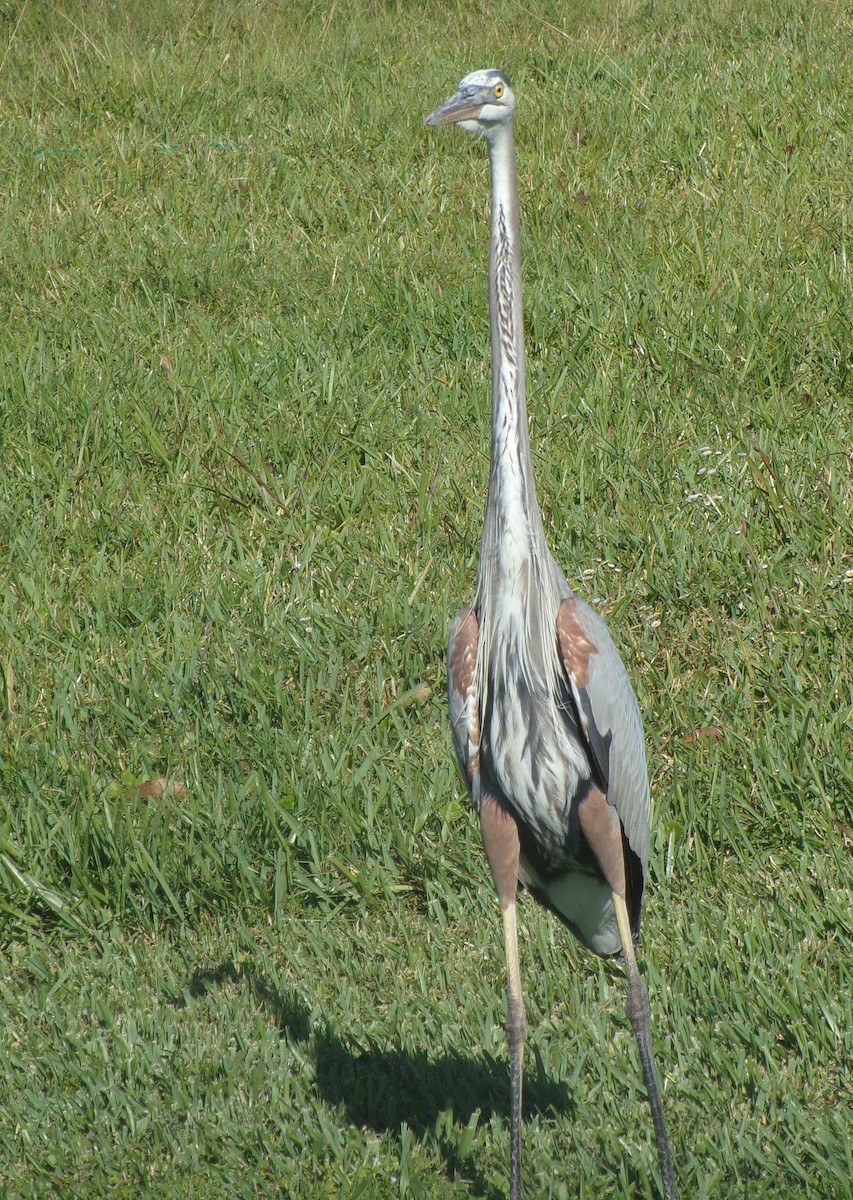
(513, 525)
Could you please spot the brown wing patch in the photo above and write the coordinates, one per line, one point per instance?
(576, 647)
(462, 652)
(461, 674)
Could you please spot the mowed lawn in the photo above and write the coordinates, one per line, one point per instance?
(250, 945)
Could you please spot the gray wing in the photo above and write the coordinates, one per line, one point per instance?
(462, 697)
(609, 716)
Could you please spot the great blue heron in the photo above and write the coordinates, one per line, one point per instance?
(545, 722)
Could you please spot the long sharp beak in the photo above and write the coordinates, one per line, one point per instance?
(457, 108)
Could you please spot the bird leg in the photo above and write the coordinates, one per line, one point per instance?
(638, 1014)
(516, 1027)
(601, 828)
(500, 838)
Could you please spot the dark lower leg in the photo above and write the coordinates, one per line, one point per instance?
(638, 1014)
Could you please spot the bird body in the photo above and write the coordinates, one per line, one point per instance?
(546, 726)
(536, 750)
(542, 766)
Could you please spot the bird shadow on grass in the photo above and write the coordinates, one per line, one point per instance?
(383, 1088)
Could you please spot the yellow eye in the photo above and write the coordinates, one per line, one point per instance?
(498, 90)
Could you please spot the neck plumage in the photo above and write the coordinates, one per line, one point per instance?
(512, 534)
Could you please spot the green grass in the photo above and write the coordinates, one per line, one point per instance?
(243, 456)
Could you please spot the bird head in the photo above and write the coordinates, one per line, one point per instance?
(483, 102)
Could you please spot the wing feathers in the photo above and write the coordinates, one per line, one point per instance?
(462, 697)
(577, 650)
